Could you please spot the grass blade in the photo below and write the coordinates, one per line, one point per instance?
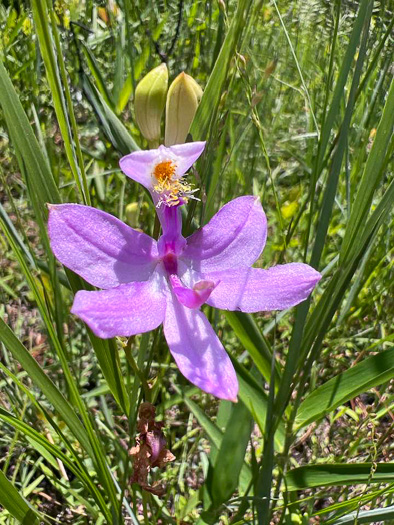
(230, 458)
(369, 373)
(338, 474)
(17, 506)
(44, 383)
(373, 173)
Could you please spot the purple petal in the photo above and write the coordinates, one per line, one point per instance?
(257, 290)
(199, 354)
(185, 155)
(172, 240)
(195, 297)
(99, 247)
(129, 309)
(139, 166)
(235, 236)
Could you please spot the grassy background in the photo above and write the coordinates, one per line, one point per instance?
(298, 108)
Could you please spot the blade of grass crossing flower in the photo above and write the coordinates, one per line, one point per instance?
(212, 177)
(106, 351)
(16, 505)
(345, 386)
(57, 80)
(335, 474)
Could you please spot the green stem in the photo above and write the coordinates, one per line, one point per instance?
(138, 372)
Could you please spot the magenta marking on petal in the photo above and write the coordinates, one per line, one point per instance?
(192, 298)
(170, 263)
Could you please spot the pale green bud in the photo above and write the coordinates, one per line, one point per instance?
(132, 211)
(149, 102)
(183, 98)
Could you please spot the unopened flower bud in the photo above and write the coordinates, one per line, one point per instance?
(132, 211)
(183, 98)
(149, 102)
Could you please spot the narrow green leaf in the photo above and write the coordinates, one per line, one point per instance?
(26, 143)
(345, 386)
(49, 389)
(255, 399)
(346, 65)
(113, 128)
(230, 457)
(367, 516)
(372, 174)
(338, 474)
(214, 89)
(16, 505)
(248, 333)
(58, 83)
(98, 77)
(77, 469)
(364, 16)
(215, 436)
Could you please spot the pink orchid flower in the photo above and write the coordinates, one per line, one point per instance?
(146, 283)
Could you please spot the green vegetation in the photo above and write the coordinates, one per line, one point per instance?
(298, 108)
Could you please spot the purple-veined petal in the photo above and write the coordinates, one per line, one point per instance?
(235, 236)
(199, 354)
(140, 165)
(192, 297)
(126, 310)
(99, 247)
(258, 290)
